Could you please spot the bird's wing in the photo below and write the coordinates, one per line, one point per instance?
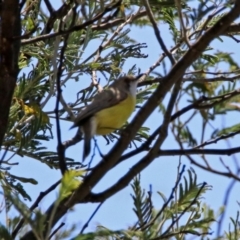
(105, 99)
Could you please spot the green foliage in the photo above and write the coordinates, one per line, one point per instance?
(94, 56)
(226, 131)
(235, 233)
(181, 214)
(4, 233)
(69, 183)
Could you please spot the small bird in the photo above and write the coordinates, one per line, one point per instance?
(108, 111)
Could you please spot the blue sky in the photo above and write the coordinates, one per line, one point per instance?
(116, 213)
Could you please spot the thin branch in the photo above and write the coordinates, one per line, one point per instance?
(75, 28)
(115, 33)
(212, 73)
(220, 78)
(4, 155)
(215, 79)
(54, 15)
(55, 69)
(35, 204)
(28, 34)
(180, 15)
(49, 6)
(156, 64)
(77, 138)
(157, 32)
(233, 28)
(175, 152)
(21, 4)
(199, 104)
(227, 193)
(55, 230)
(196, 105)
(91, 217)
(178, 233)
(207, 21)
(225, 204)
(99, 197)
(171, 196)
(215, 140)
(163, 235)
(212, 170)
(60, 147)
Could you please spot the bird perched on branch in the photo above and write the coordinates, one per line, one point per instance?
(108, 111)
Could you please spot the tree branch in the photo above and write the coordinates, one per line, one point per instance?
(9, 51)
(157, 32)
(75, 28)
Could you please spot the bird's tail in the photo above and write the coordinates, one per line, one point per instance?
(88, 129)
(87, 146)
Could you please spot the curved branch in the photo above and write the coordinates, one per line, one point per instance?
(123, 182)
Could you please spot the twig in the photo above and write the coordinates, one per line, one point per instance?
(209, 18)
(210, 169)
(75, 28)
(66, 107)
(163, 235)
(179, 175)
(91, 217)
(60, 147)
(35, 204)
(77, 138)
(28, 34)
(4, 155)
(178, 233)
(225, 204)
(95, 82)
(195, 105)
(54, 231)
(54, 15)
(227, 196)
(180, 15)
(116, 32)
(21, 4)
(157, 32)
(174, 152)
(171, 196)
(49, 6)
(54, 77)
(221, 78)
(156, 64)
(212, 73)
(215, 140)
(215, 79)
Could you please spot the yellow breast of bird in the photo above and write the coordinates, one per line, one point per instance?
(111, 119)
